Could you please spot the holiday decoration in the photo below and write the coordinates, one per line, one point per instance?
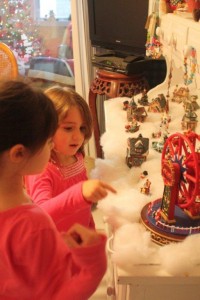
(144, 99)
(137, 151)
(158, 104)
(153, 45)
(159, 145)
(189, 120)
(132, 126)
(177, 214)
(145, 189)
(174, 4)
(17, 29)
(189, 53)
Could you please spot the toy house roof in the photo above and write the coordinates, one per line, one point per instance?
(139, 142)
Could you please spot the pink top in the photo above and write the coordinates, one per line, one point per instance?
(52, 190)
(35, 262)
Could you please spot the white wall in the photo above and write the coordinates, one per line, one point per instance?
(82, 55)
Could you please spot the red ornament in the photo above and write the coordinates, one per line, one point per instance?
(174, 3)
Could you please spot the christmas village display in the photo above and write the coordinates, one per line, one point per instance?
(177, 214)
(158, 196)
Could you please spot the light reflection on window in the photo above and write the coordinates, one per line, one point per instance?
(61, 9)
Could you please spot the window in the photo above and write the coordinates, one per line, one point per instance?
(33, 29)
(60, 10)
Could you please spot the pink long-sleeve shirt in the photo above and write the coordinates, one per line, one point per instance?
(60, 195)
(35, 262)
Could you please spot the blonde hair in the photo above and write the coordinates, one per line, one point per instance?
(63, 99)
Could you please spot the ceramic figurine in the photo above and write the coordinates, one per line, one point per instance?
(159, 145)
(144, 98)
(157, 134)
(137, 151)
(132, 103)
(125, 105)
(139, 113)
(189, 120)
(180, 94)
(146, 187)
(132, 126)
(158, 104)
(191, 102)
(164, 125)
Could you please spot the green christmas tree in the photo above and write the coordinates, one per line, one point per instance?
(17, 28)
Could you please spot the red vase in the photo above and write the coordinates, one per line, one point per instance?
(193, 4)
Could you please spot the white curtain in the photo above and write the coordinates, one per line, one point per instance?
(82, 55)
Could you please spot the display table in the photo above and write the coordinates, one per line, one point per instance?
(112, 85)
(153, 287)
(144, 281)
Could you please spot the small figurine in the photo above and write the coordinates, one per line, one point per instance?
(132, 126)
(125, 105)
(191, 102)
(157, 134)
(146, 187)
(159, 145)
(132, 104)
(164, 125)
(144, 98)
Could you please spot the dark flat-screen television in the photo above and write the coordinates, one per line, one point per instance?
(118, 25)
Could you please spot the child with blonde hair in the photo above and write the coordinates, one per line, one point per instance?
(66, 166)
(37, 262)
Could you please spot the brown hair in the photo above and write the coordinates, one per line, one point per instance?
(63, 98)
(27, 116)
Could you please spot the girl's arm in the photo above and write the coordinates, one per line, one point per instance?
(66, 208)
(46, 262)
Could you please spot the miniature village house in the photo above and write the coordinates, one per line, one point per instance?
(189, 120)
(137, 151)
(139, 114)
(180, 94)
(191, 103)
(158, 104)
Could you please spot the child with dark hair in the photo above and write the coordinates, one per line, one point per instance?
(36, 261)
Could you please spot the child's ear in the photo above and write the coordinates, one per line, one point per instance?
(17, 153)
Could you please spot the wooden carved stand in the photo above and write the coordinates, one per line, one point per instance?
(112, 85)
